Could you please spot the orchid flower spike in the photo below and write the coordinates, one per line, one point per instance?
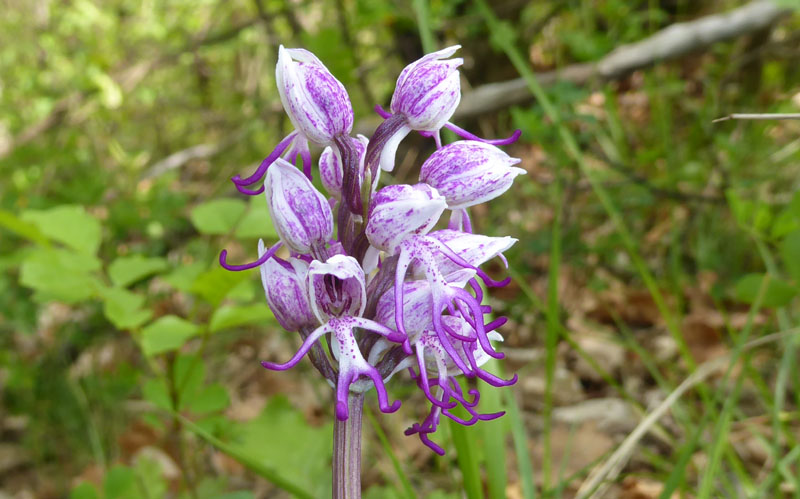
(360, 273)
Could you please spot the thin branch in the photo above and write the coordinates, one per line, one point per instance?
(757, 116)
(672, 42)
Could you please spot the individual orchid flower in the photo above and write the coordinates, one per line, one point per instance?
(315, 101)
(468, 172)
(398, 211)
(336, 288)
(285, 288)
(301, 214)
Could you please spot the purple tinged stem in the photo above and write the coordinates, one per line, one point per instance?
(347, 450)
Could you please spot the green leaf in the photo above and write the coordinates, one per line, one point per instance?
(210, 399)
(84, 490)
(189, 372)
(21, 228)
(790, 253)
(256, 222)
(60, 274)
(151, 476)
(299, 452)
(68, 224)
(777, 294)
(231, 316)
(218, 216)
(215, 284)
(166, 333)
(184, 276)
(120, 483)
(155, 390)
(124, 308)
(127, 270)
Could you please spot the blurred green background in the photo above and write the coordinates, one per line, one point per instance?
(652, 241)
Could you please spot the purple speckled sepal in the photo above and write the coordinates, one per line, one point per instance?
(316, 102)
(398, 211)
(285, 288)
(301, 214)
(469, 172)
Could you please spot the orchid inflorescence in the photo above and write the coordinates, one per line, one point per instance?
(366, 270)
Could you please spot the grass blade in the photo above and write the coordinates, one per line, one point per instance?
(398, 468)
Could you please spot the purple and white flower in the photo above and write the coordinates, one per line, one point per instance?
(367, 272)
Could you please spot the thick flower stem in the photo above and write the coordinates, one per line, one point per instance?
(347, 450)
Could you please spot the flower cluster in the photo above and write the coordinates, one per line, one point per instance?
(366, 270)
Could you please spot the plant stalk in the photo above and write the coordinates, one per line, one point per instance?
(347, 450)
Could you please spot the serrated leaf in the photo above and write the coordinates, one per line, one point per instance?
(60, 274)
(231, 316)
(166, 333)
(124, 308)
(776, 294)
(790, 253)
(217, 217)
(67, 224)
(127, 270)
(210, 399)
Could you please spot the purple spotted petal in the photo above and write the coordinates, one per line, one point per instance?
(336, 287)
(285, 288)
(428, 91)
(468, 172)
(316, 102)
(398, 211)
(301, 214)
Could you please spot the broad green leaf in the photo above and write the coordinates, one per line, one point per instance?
(124, 308)
(68, 224)
(167, 333)
(183, 277)
(218, 216)
(151, 476)
(22, 228)
(84, 490)
(231, 316)
(60, 274)
(120, 483)
(256, 223)
(210, 399)
(787, 220)
(189, 372)
(155, 390)
(300, 452)
(777, 294)
(215, 284)
(127, 270)
(790, 253)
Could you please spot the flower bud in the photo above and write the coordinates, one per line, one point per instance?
(336, 288)
(315, 101)
(397, 211)
(301, 214)
(285, 288)
(468, 172)
(330, 166)
(428, 91)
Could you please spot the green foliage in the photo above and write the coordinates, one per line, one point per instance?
(166, 333)
(126, 270)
